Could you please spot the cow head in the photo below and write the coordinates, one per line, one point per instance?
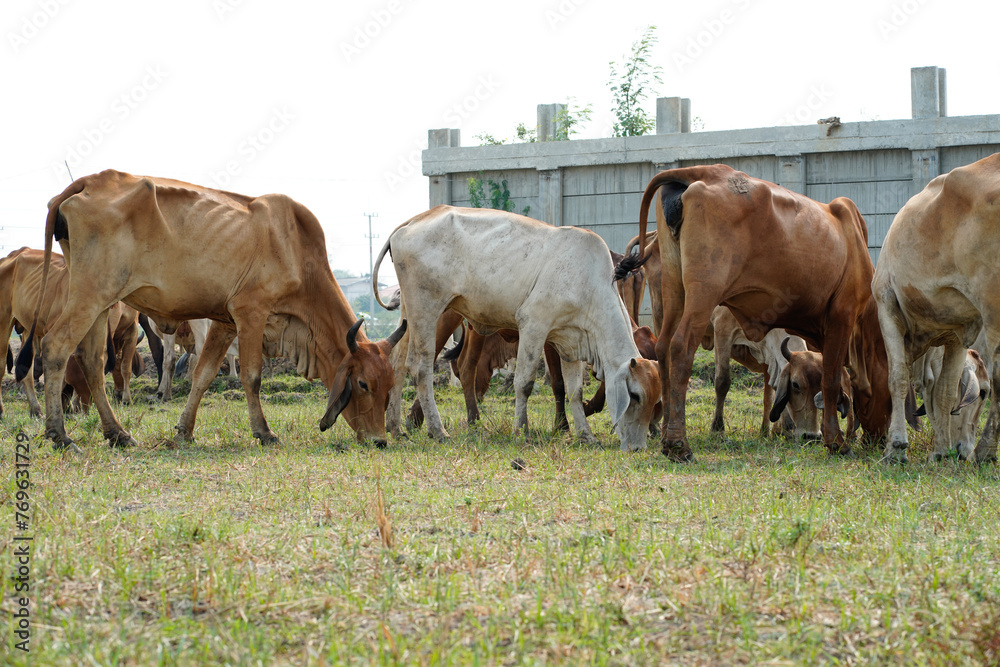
(633, 391)
(360, 389)
(798, 384)
(973, 390)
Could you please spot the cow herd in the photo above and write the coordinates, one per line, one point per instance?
(777, 281)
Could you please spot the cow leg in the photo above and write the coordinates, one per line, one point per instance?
(165, 391)
(34, 409)
(468, 370)
(572, 372)
(218, 340)
(559, 387)
(420, 362)
(723, 377)
(596, 402)
(945, 398)
(4, 343)
(529, 353)
(835, 343)
(890, 320)
(91, 355)
(123, 370)
(394, 404)
(986, 449)
(765, 423)
(250, 329)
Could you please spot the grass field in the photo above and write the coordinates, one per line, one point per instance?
(321, 551)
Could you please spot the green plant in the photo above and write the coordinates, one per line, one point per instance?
(632, 85)
(571, 115)
(498, 198)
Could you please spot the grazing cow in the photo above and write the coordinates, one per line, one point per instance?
(936, 285)
(798, 395)
(973, 390)
(20, 289)
(725, 337)
(776, 259)
(154, 244)
(505, 271)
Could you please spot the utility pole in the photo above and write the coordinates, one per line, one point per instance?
(371, 268)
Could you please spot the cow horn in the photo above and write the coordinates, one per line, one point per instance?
(352, 336)
(784, 349)
(397, 334)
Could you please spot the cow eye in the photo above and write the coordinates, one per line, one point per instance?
(795, 385)
(363, 384)
(635, 397)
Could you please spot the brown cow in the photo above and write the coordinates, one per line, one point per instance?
(20, 288)
(776, 259)
(653, 277)
(154, 243)
(936, 286)
(796, 390)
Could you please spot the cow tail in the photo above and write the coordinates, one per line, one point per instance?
(155, 346)
(632, 263)
(55, 224)
(453, 352)
(395, 301)
(109, 363)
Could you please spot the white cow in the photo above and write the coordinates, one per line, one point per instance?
(973, 387)
(936, 285)
(505, 271)
(199, 330)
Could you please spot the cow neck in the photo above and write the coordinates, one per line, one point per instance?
(332, 316)
(614, 344)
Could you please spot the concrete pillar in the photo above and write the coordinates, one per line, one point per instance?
(550, 200)
(673, 115)
(792, 173)
(548, 114)
(928, 92)
(926, 165)
(440, 186)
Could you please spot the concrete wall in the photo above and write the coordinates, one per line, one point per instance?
(598, 183)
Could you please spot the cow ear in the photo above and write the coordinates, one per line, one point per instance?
(616, 393)
(780, 396)
(336, 405)
(910, 406)
(842, 405)
(633, 363)
(968, 389)
(921, 411)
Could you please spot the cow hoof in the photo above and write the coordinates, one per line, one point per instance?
(895, 453)
(678, 451)
(267, 438)
(439, 436)
(119, 439)
(183, 436)
(984, 457)
(936, 457)
(587, 439)
(35, 412)
(718, 426)
(560, 425)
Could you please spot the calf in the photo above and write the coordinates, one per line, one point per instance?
(505, 271)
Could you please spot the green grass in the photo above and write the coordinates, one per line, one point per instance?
(322, 551)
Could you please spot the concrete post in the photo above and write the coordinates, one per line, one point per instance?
(926, 166)
(550, 200)
(792, 173)
(928, 92)
(673, 115)
(548, 114)
(440, 187)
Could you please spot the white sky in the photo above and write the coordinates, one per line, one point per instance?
(177, 89)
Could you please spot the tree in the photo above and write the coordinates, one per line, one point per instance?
(499, 197)
(632, 85)
(571, 115)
